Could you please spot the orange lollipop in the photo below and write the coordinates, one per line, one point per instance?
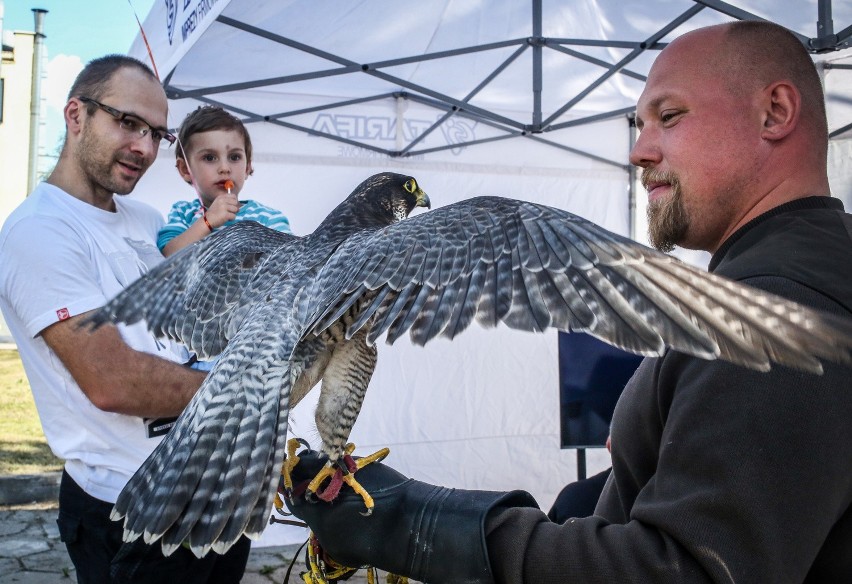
(229, 184)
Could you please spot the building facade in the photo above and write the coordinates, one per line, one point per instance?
(16, 75)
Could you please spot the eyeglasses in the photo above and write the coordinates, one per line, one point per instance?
(132, 124)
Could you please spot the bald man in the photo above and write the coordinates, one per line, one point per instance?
(719, 474)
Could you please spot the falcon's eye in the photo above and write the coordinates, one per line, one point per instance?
(410, 185)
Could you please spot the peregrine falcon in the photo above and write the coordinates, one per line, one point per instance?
(284, 312)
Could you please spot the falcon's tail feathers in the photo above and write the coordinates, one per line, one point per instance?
(222, 450)
(214, 471)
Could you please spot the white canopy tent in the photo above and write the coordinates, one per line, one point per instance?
(527, 99)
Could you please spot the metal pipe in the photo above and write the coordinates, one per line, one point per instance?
(35, 96)
(1, 42)
(825, 24)
(631, 179)
(537, 78)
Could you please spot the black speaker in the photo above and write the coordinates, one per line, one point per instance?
(592, 375)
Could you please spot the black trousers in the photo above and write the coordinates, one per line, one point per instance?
(99, 556)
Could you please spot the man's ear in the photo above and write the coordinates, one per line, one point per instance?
(249, 169)
(782, 106)
(73, 113)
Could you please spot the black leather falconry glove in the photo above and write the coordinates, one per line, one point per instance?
(428, 533)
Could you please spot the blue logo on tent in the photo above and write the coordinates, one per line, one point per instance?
(374, 129)
(171, 17)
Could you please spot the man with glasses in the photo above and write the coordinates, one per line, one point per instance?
(106, 398)
(133, 124)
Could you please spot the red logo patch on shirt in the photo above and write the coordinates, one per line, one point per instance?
(63, 314)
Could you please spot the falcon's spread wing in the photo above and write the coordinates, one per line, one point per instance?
(533, 267)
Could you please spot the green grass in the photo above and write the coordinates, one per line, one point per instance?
(23, 449)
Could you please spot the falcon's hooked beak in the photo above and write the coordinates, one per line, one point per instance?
(422, 199)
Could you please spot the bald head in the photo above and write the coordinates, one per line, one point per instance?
(732, 122)
(761, 53)
(750, 55)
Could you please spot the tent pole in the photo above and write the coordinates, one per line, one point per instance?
(825, 25)
(536, 65)
(631, 178)
(401, 106)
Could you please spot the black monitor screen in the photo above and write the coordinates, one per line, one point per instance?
(592, 375)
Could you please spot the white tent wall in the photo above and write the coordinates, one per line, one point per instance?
(837, 81)
(840, 170)
(480, 411)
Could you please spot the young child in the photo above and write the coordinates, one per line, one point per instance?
(213, 155)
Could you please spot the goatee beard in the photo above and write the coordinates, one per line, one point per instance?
(668, 220)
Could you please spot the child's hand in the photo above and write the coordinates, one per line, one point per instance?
(223, 209)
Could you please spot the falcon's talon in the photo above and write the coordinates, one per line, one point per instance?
(290, 462)
(340, 471)
(354, 465)
(356, 486)
(377, 456)
(303, 442)
(325, 472)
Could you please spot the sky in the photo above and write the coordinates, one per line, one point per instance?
(76, 31)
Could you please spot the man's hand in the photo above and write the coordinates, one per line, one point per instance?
(426, 532)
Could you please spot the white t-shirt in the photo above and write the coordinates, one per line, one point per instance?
(61, 257)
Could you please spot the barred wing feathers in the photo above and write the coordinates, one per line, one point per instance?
(200, 295)
(215, 475)
(534, 267)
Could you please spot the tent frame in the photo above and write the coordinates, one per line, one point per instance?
(534, 129)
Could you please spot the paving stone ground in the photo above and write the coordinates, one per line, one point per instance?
(31, 553)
